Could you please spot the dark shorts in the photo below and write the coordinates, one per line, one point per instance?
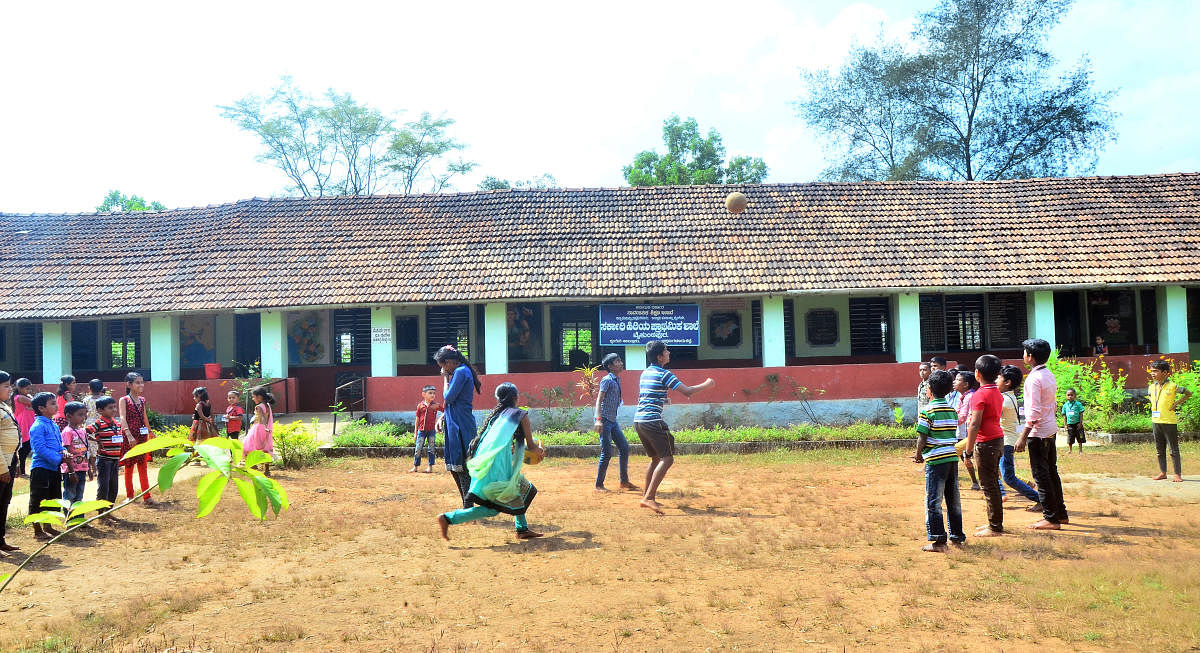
(1075, 433)
(656, 438)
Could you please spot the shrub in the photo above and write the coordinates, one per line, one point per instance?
(1098, 387)
(1187, 375)
(382, 434)
(155, 421)
(296, 444)
(800, 432)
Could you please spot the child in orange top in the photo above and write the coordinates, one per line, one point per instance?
(233, 414)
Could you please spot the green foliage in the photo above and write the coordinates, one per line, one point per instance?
(692, 159)
(118, 201)
(798, 432)
(546, 180)
(296, 444)
(155, 421)
(1187, 375)
(418, 146)
(898, 415)
(979, 98)
(559, 413)
(1119, 423)
(1098, 387)
(382, 434)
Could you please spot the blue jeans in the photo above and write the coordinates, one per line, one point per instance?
(610, 432)
(483, 512)
(942, 481)
(425, 440)
(1009, 471)
(73, 483)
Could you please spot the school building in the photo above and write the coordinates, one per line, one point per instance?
(820, 291)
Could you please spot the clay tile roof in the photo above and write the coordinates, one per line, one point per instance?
(598, 244)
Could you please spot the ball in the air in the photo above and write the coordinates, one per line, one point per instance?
(736, 202)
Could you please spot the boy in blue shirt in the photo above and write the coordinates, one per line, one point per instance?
(45, 480)
(1072, 411)
(608, 400)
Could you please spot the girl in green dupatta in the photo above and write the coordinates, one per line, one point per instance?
(494, 461)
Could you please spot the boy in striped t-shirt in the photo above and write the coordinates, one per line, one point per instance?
(937, 426)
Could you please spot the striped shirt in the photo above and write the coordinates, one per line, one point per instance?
(652, 393)
(108, 436)
(939, 424)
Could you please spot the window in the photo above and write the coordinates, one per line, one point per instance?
(84, 337)
(352, 336)
(725, 329)
(3, 343)
(448, 325)
(933, 323)
(870, 325)
(1007, 323)
(821, 327)
(29, 346)
(408, 336)
(964, 322)
(124, 344)
(577, 344)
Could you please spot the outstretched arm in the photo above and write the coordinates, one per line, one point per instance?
(689, 390)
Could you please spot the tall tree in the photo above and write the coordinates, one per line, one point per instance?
(546, 180)
(118, 201)
(692, 159)
(977, 100)
(337, 146)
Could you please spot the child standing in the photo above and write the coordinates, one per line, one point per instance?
(985, 439)
(260, 437)
(923, 370)
(110, 442)
(45, 440)
(1100, 349)
(964, 387)
(937, 428)
(1041, 429)
(1072, 411)
(96, 389)
(608, 401)
(233, 414)
(23, 408)
(132, 409)
(76, 466)
(10, 441)
(1164, 401)
(426, 427)
(66, 395)
(1010, 421)
(203, 427)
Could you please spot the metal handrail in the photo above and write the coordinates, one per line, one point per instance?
(361, 401)
(287, 393)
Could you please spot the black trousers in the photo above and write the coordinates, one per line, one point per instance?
(108, 473)
(43, 484)
(1043, 462)
(6, 494)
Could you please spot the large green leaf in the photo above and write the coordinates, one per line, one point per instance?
(209, 490)
(154, 444)
(253, 496)
(54, 518)
(257, 457)
(57, 504)
(166, 474)
(216, 458)
(75, 522)
(274, 492)
(221, 442)
(84, 507)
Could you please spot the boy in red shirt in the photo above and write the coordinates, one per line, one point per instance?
(426, 427)
(985, 440)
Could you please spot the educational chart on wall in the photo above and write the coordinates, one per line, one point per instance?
(636, 324)
(308, 338)
(197, 342)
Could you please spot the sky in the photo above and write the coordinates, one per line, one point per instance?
(102, 96)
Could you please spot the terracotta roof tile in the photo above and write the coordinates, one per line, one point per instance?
(602, 244)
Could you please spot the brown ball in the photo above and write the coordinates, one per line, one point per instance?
(736, 202)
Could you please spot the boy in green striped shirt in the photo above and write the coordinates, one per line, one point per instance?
(937, 428)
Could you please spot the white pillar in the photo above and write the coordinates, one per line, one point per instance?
(164, 348)
(495, 338)
(274, 345)
(635, 357)
(383, 341)
(56, 351)
(774, 342)
(1040, 307)
(908, 328)
(1172, 319)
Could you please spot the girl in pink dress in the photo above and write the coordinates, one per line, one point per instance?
(259, 437)
(23, 411)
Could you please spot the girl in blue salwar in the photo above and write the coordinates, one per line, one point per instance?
(495, 459)
(460, 378)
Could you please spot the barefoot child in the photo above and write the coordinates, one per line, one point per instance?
(1010, 421)
(233, 414)
(1072, 411)
(964, 388)
(76, 466)
(494, 461)
(45, 440)
(260, 436)
(652, 430)
(23, 409)
(110, 444)
(937, 429)
(985, 440)
(426, 427)
(1041, 428)
(1165, 399)
(203, 426)
(136, 430)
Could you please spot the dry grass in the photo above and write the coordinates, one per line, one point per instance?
(774, 551)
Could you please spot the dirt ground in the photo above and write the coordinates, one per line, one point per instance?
(784, 551)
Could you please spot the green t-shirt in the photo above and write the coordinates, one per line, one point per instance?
(1073, 410)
